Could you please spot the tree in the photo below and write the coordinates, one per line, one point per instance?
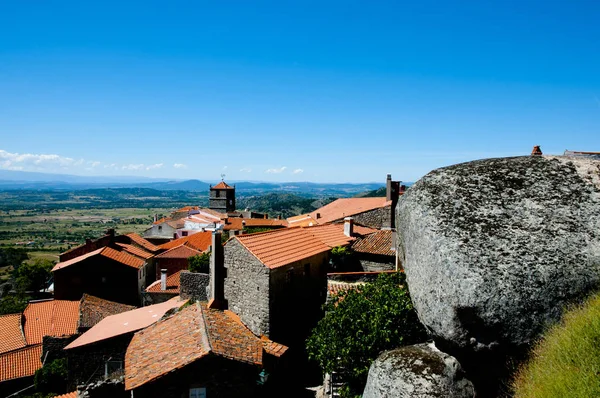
(12, 256)
(33, 276)
(13, 304)
(199, 263)
(361, 323)
(51, 378)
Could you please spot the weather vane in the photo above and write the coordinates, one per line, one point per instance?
(222, 177)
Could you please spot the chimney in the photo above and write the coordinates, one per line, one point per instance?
(163, 279)
(349, 227)
(155, 217)
(536, 151)
(217, 274)
(265, 216)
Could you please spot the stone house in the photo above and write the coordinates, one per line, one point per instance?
(199, 352)
(101, 350)
(112, 273)
(163, 289)
(275, 281)
(163, 230)
(376, 212)
(376, 251)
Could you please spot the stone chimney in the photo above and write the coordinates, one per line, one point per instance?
(349, 227)
(536, 151)
(216, 300)
(163, 279)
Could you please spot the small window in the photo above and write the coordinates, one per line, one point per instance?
(198, 392)
(160, 227)
(217, 194)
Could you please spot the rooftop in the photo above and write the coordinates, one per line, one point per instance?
(194, 332)
(200, 241)
(20, 363)
(379, 242)
(136, 251)
(237, 223)
(282, 246)
(333, 234)
(125, 322)
(172, 284)
(122, 257)
(50, 318)
(222, 185)
(94, 309)
(340, 208)
(182, 251)
(138, 240)
(11, 333)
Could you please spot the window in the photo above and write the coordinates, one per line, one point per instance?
(217, 194)
(160, 227)
(198, 392)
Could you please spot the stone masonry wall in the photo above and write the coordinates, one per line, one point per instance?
(376, 218)
(377, 263)
(193, 286)
(52, 347)
(247, 287)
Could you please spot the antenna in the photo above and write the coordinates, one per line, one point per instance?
(222, 177)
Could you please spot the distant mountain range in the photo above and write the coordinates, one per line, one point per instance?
(21, 180)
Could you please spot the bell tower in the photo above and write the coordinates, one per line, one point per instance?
(222, 197)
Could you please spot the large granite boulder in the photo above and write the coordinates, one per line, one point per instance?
(493, 249)
(417, 371)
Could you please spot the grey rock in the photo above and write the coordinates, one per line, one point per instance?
(494, 249)
(417, 371)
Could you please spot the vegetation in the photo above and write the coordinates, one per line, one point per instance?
(340, 257)
(199, 263)
(361, 323)
(13, 304)
(51, 378)
(33, 276)
(282, 204)
(566, 362)
(377, 193)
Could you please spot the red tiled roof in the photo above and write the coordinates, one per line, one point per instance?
(282, 246)
(182, 251)
(334, 287)
(162, 220)
(172, 284)
(94, 309)
(345, 207)
(50, 318)
(304, 220)
(138, 240)
(186, 208)
(236, 223)
(379, 242)
(136, 251)
(68, 395)
(222, 185)
(200, 241)
(120, 256)
(11, 333)
(20, 363)
(125, 322)
(193, 333)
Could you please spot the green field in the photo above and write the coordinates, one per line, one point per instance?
(45, 233)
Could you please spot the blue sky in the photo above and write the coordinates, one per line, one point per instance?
(324, 91)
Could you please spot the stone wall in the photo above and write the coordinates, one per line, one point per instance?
(52, 347)
(247, 287)
(376, 218)
(371, 263)
(150, 298)
(193, 286)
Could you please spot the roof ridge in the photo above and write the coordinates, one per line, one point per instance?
(204, 333)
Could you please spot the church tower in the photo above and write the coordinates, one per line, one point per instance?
(222, 198)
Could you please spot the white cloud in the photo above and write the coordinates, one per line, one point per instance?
(154, 166)
(133, 166)
(94, 164)
(276, 171)
(24, 161)
(298, 171)
(246, 170)
(180, 166)
(111, 166)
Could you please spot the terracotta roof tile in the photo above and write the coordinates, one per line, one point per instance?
(236, 223)
(68, 395)
(182, 251)
(50, 318)
(334, 287)
(345, 207)
(20, 363)
(379, 242)
(120, 256)
(138, 240)
(187, 336)
(173, 284)
(200, 241)
(222, 185)
(282, 246)
(162, 220)
(11, 333)
(94, 309)
(125, 322)
(304, 220)
(136, 251)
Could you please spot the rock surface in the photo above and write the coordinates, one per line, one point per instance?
(493, 249)
(417, 371)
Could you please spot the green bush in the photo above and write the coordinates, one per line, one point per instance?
(51, 378)
(566, 361)
(361, 323)
(199, 263)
